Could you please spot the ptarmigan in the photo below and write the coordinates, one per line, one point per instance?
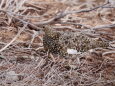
(58, 42)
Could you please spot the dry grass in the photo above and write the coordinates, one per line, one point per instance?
(22, 59)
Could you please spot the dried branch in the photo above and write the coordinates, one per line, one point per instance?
(34, 6)
(64, 13)
(57, 17)
(13, 38)
(77, 24)
(109, 52)
(108, 7)
(103, 26)
(30, 25)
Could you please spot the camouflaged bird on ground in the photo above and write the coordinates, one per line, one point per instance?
(58, 42)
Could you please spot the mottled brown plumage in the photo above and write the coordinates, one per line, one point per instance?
(51, 40)
(58, 42)
(81, 42)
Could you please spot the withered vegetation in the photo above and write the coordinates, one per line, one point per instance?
(23, 60)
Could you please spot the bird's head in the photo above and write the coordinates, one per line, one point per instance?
(48, 29)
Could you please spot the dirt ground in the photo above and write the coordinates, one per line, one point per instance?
(23, 61)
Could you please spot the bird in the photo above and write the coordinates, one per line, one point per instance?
(51, 40)
(57, 42)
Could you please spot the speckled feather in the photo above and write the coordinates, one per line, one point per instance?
(51, 40)
(58, 42)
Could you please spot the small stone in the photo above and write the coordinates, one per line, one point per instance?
(71, 51)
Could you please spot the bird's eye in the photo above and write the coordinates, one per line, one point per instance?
(43, 26)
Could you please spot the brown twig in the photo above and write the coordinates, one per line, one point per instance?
(108, 7)
(13, 38)
(57, 17)
(103, 26)
(72, 23)
(109, 52)
(30, 25)
(64, 13)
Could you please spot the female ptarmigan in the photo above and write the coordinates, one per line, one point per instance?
(56, 42)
